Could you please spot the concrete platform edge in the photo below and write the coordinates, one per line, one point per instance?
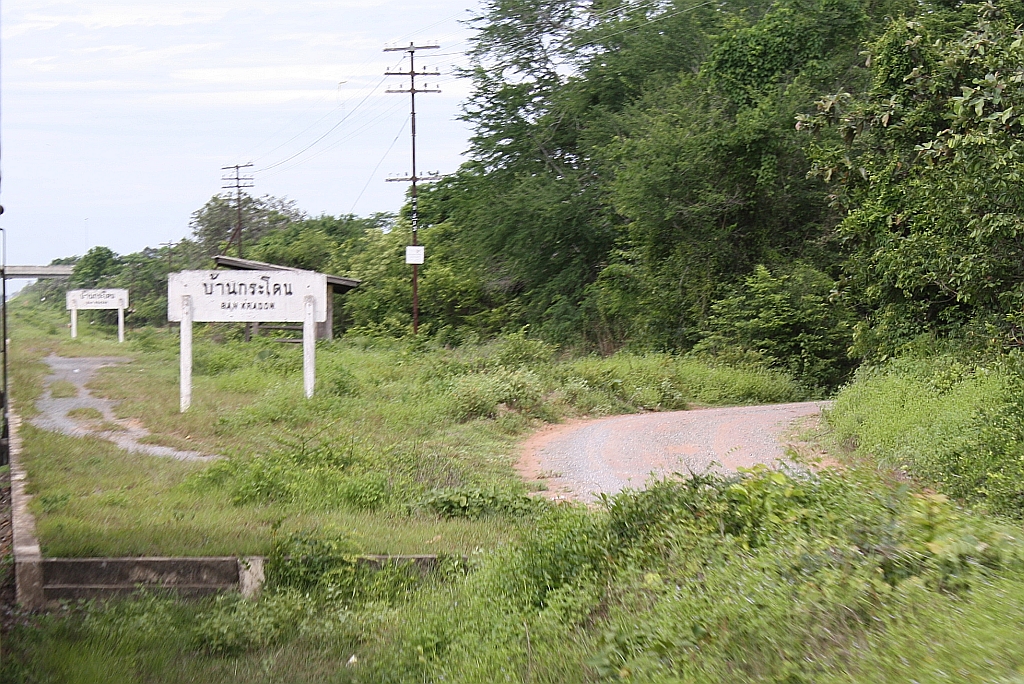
(28, 559)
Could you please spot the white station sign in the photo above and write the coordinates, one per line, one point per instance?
(247, 296)
(97, 299)
(253, 296)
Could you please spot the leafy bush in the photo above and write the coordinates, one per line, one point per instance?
(216, 359)
(303, 560)
(327, 565)
(763, 576)
(366, 492)
(474, 396)
(234, 624)
(789, 320)
(565, 546)
(340, 382)
(517, 350)
(665, 382)
(956, 424)
(318, 474)
(477, 395)
(474, 502)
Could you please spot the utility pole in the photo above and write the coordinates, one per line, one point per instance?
(237, 183)
(413, 178)
(170, 247)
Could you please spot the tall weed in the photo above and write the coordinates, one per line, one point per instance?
(952, 423)
(759, 577)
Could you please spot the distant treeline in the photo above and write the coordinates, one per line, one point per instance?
(799, 183)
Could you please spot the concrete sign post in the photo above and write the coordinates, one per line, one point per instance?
(309, 344)
(247, 297)
(185, 360)
(97, 299)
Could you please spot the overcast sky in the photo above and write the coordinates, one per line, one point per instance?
(117, 115)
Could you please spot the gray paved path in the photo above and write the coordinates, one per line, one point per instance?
(53, 411)
(607, 455)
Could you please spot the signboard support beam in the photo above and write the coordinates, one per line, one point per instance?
(186, 352)
(74, 323)
(309, 347)
(120, 325)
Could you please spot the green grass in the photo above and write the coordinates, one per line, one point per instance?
(840, 576)
(843, 577)
(85, 413)
(398, 433)
(62, 389)
(98, 500)
(954, 423)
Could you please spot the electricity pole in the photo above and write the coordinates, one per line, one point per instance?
(413, 178)
(170, 247)
(237, 183)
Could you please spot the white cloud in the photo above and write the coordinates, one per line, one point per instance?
(74, 86)
(97, 90)
(47, 63)
(98, 16)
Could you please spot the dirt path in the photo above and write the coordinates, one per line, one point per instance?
(582, 458)
(53, 411)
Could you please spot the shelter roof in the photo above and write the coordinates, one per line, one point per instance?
(339, 284)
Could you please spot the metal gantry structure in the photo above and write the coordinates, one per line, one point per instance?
(413, 178)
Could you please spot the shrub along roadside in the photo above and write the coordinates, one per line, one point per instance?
(764, 577)
(955, 423)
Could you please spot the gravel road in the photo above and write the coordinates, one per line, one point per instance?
(583, 458)
(53, 411)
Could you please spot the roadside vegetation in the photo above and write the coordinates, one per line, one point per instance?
(862, 573)
(955, 421)
(826, 577)
(664, 206)
(406, 447)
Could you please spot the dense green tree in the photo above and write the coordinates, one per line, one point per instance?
(318, 244)
(632, 161)
(641, 174)
(928, 175)
(707, 195)
(96, 268)
(213, 224)
(789, 319)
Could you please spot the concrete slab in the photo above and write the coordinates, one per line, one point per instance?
(28, 559)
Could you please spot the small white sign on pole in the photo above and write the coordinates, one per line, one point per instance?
(97, 299)
(414, 254)
(247, 296)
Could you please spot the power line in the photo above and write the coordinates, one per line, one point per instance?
(374, 172)
(280, 145)
(329, 131)
(348, 136)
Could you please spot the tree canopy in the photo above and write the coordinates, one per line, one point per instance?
(673, 175)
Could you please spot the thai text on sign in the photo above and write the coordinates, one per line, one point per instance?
(97, 299)
(259, 296)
